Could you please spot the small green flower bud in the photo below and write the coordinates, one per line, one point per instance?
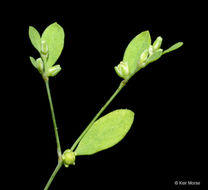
(150, 50)
(143, 58)
(44, 47)
(39, 65)
(122, 69)
(44, 51)
(53, 71)
(157, 43)
(68, 158)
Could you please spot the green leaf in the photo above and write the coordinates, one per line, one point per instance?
(34, 37)
(155, 56)
(54, 37)
(173, 47)
(33, 61)
(135, 48)
(106, 132)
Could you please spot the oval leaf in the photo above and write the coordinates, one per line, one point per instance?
(54, 37)
(106, 132)
(173, 47)
(34, 37)
(135, 48)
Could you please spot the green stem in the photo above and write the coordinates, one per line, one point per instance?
(54, 121)
(53, 175)
(122, 84)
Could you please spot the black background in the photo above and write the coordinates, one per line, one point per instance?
(168, 140)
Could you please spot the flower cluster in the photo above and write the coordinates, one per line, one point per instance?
(154, 51)
(50, 46)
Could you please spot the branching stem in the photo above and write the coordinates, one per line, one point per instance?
(60, 163)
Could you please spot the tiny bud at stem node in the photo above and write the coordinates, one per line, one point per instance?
(68, 158)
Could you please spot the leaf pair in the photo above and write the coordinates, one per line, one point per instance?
(139, 53)
(106, 132)
(52, 38)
